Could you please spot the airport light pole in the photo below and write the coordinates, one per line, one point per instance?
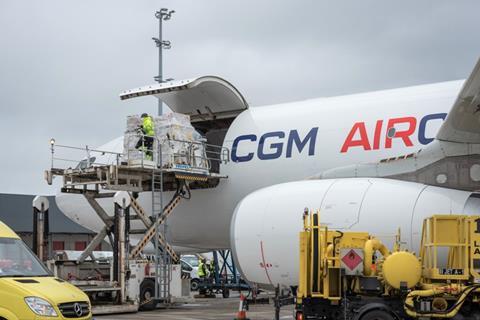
(163, 14)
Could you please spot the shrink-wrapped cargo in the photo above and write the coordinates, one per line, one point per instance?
(181, 146)
(131, 137)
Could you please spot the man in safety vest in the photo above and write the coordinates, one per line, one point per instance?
(146, 141)
(202, 274)
(202, 269)
(211, 269)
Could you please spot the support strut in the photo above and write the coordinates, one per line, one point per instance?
(150, 233)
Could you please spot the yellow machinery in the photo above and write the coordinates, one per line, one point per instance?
(353, 275)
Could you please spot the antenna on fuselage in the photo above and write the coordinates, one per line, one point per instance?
(163, 14)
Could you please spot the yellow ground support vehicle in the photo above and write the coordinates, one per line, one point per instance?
(27, 289)
(353, 275)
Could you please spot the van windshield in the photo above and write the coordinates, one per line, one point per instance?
(192, 260)
(16, 260)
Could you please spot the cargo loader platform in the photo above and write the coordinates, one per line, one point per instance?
(140, 175)
(100, 174)
(130, 178)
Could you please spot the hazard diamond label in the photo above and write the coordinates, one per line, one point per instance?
(352, 260)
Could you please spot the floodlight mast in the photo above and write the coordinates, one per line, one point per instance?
(163, 14)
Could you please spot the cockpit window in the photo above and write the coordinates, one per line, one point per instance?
(16, 260)
(84, 164)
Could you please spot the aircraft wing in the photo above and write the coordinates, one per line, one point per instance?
(463, 121)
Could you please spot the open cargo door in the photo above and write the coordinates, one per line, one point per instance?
(205, 99)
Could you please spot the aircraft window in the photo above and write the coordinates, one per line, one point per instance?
(84, 163)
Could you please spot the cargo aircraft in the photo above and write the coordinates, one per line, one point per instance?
(372, 161)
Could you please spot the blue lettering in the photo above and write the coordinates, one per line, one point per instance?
(423, 125)
(269, 151)
(295, 138)
(248, 157)
(279, 146)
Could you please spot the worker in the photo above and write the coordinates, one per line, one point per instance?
(202, 269)
(148, 132)
(203, 275)
(211, 269)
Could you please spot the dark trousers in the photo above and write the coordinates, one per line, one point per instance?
(147, 143)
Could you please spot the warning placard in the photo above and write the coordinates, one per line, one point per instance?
(352, 261)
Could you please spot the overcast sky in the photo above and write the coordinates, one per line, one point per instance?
(63, 63)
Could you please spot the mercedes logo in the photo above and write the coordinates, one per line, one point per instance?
(78, 309)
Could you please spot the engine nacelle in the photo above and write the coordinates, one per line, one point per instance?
(266, 223)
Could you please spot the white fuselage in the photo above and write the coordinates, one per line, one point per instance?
(289, 142)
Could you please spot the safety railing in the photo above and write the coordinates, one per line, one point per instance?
(81, 158)
(167, 153)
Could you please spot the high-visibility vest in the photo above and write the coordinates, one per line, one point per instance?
(148, 127)
(202, 272)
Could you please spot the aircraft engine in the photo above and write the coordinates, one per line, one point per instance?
(266, 223)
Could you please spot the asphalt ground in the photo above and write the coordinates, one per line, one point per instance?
(211, 309)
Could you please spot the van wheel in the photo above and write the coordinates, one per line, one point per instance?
(225, 293)
(147, 295)
(194, 284)
(377, 315)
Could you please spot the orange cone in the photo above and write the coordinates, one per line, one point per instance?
(242, 309)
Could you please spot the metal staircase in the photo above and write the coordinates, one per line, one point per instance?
(163, 262)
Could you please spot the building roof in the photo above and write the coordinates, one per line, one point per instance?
(16, 211)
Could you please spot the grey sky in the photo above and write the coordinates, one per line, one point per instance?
(63, 63)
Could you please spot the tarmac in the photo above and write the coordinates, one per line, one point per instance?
(208, 309)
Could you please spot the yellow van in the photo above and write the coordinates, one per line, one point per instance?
(29, 291)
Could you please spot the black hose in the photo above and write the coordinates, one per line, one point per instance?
(315, 258)
(335, 241)
(188, 191)
(181, 185)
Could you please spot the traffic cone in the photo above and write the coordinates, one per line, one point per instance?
(242, 309)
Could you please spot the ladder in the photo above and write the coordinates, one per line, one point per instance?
(156, 232)
(163, 261)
